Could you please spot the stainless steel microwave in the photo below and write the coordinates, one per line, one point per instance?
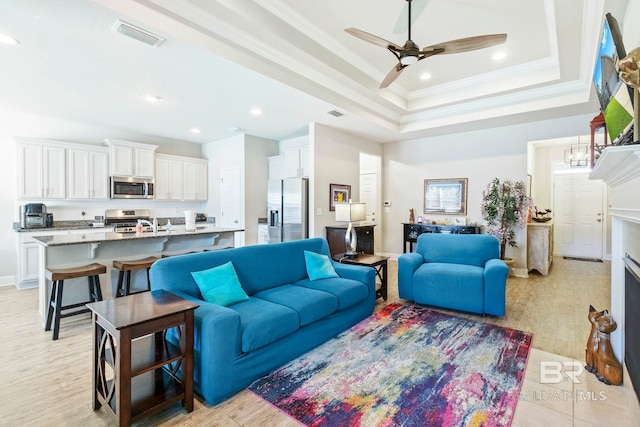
(126, 187)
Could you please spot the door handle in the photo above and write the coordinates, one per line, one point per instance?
(599, 220)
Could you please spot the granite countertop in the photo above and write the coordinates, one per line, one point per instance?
(84, 224)
(109, 236)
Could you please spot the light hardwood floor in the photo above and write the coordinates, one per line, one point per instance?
(48, 383)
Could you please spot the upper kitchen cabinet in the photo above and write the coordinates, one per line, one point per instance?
(87, 173)
(296, 157)
(132, 158)
(41, 170)
(277, 167)
(195, 185)
(168, 178)
(181, 178)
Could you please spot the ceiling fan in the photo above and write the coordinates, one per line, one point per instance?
(411, 53)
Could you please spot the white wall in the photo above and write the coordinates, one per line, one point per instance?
(256, 176)
(249, 154)
(336, 160)
(479, 156)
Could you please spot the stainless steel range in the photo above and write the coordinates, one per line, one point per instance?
(125, 220)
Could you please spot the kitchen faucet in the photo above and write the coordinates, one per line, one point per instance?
(153, 225)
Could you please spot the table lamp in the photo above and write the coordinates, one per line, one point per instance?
(350, 212)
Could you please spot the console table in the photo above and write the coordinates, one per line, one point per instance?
(335, 238)
(412, 231)
(129, 342)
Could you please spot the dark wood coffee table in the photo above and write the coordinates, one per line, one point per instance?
(378, 263)
(134, 367)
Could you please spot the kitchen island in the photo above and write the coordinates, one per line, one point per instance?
(71, 250)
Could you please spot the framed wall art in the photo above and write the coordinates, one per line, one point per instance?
(445, 196)
(338, 193)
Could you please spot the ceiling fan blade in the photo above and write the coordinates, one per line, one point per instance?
(378, 41)
(466, 44)
(393, 75)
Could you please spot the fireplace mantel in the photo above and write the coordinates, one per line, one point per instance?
(617, 165)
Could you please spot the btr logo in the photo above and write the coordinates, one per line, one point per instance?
(553, 372)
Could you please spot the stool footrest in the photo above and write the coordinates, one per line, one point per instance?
(83, 310)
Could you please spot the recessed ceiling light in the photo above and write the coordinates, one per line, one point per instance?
(499, 55)
(425, 76)
(7, 39)
(152, 98)
(256, 111)
(236, 129)
(195, 130)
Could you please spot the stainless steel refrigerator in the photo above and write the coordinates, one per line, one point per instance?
(288, 209)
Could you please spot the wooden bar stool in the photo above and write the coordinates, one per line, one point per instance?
(57, 277)
(124, 276)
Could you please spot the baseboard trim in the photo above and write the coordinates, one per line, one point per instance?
(7, 280)
(520, 272)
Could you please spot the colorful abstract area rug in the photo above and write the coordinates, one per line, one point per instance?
(405, 366)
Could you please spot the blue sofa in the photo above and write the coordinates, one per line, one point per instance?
(285, 316)
(457, 271)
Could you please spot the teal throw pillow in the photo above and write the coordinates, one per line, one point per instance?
(319, 266)
(220, 285)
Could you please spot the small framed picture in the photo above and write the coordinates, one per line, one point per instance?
(460, 221)
(338, 193)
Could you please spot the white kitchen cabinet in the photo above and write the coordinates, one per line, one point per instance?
(181, 178)
(87, 176)
(144, 162)
(195, 184)
(168, 184)
(276, 167)
(296, 162)
(132, 158)
(28, 270)
(41, 170)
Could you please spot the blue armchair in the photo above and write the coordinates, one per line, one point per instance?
(457, 271)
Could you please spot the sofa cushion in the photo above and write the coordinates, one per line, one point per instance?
(310, 304)
(318, 266)
(263, 322)
(348, 291)
(220, 285)
(456, 286)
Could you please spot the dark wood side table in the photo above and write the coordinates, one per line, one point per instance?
(379, 263)
(134, 367)
(335, 238)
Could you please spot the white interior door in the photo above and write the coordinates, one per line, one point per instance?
(370, 167)
(578, 215)
(230, 212)
(369, 194)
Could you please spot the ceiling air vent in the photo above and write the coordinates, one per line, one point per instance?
(137, 33)
(335, 113)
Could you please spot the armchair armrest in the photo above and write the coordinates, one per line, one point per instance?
(495, 287)
(407, 266)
